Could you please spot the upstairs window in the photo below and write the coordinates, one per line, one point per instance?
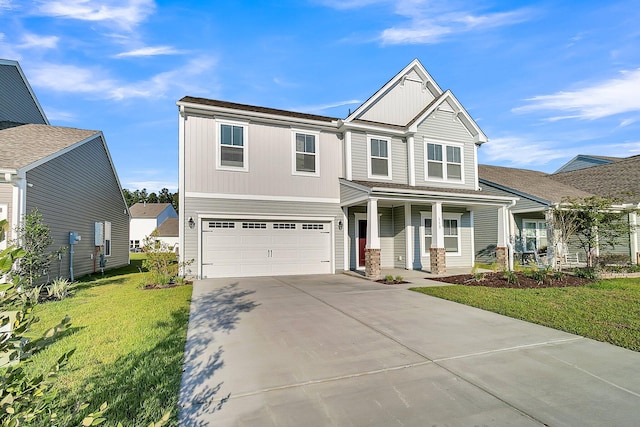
(443, 162)
(232, 146)
(305, 153)
(379, 158)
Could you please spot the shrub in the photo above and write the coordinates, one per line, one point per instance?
(161, 262)
(399, 278)
(388, 278)
(59, 289)
(586, 273)
(510, 276)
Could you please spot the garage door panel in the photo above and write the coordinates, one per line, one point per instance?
(261, 248)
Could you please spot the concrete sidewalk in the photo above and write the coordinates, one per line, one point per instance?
(337, 350)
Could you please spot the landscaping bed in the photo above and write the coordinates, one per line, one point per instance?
(517, 280)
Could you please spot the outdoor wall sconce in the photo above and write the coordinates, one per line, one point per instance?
(192, 223)
(340, 225)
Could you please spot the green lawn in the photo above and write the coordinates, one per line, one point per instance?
(607, 310)
(129, 348)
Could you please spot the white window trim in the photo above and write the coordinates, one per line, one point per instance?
(537, 237)
(245, 141)
(444, 145)
(294, 152)
(389, 164)
(445, 215)
(107, 237)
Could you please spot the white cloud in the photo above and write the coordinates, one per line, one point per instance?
(509, 150)
(603, 99)
(35, 41)
(98, 84)
(427, 27)
(322, 107)
(5, 4)
(59, 115)
(125, 14)
(349, 4)
(150, 51)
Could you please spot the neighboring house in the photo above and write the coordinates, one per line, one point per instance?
(582, 161)
(145, 218)
(394, 185)
(66, 174)
(540, 192)
(168, 233)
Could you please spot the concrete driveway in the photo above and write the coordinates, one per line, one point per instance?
(342, 351)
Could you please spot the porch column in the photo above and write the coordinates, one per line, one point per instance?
(372, 250)
(502, 252)
(408, 235)
(411, 166)
(633, 221)
(437, 251)
(551, 239)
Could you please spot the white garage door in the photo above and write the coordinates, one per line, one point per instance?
(240, 248)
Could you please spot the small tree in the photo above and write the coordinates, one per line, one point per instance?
(34, 237)
(161, 261)
(591, 222)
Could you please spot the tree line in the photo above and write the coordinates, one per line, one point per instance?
(142, 196)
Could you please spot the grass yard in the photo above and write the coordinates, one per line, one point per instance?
(606, 310)
(129, 348)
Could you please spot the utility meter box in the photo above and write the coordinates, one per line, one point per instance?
(99, 234)
(74, 238)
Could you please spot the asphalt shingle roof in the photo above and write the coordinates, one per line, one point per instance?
(618, 179)
(147, 210)
(23, 145)
(534, 183)
(169, 228)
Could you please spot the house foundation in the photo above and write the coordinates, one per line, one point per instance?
(372, 267)
(438, 260)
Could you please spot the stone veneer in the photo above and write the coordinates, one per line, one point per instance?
(372, 263)
(502, 258)
(438, 260)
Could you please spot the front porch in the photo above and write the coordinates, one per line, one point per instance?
(416, 228)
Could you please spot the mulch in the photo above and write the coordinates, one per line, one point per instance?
(498, 280)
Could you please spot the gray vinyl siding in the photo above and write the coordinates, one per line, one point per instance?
(465, 259)
(486, 234)
(387, 243)
(582, 163)
(269, 155)
(400, 104)
(72, 192)
(399, 236)
(6, 197)
(217, 208)
(360, 158)
(349, 193)
(16, 102)
(443, 128)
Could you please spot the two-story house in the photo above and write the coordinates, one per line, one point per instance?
(394, 185)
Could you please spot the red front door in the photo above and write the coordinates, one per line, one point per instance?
(362, 241)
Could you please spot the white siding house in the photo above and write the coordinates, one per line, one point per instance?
(268, 192)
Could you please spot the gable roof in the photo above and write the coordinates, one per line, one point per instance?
(582, 161)
(537, 185)
(618, 179)
(148, 210)
(168, 228)
(24, 145)
(18, 102)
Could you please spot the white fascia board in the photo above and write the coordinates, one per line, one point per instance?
(356, 186)
(201, 215)
(342, 126)
(480, 138)
(381, 191)
(26, 83)
(231, 113)
(230, 196)
(416, 65)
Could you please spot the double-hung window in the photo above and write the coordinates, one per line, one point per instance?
(443, 162)
(379, 158)
(305, 153)
(534, 235)
(232, 146)
(451, 232)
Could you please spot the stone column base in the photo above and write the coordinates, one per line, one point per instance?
(438, 260)
(502, 258)
(372, 263)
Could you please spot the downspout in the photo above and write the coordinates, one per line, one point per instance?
(508, 240)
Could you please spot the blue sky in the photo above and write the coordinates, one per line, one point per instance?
(545, 80)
